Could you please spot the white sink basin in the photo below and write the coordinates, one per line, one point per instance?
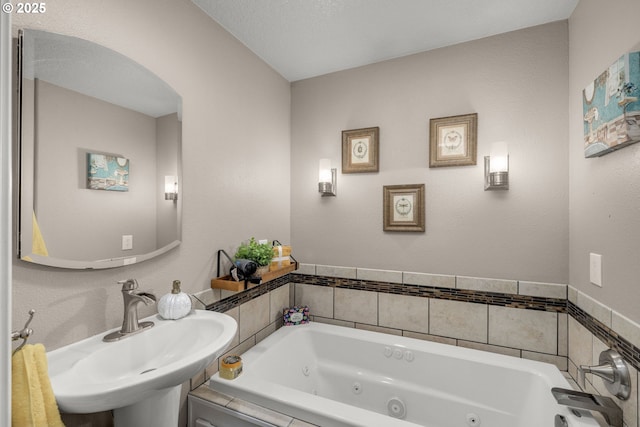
(92, 375)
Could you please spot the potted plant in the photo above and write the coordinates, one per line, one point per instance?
(260, 253)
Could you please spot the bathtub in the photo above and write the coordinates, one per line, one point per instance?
(336, 377)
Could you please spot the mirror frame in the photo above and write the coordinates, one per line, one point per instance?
(26, 186)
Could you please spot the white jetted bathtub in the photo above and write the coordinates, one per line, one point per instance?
(335, 376)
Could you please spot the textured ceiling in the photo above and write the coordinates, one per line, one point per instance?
(307, 38)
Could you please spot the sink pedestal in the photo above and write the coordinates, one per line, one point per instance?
(161, 409)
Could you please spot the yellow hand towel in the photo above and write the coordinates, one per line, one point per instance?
(32, 401)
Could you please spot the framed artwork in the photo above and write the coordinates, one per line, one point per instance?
(453, 141)
(611, 107)
(403, 207)
(360, 150)
(106, 172)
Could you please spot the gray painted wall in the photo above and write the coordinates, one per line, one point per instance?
(78, 223)
(605, 191)
(240, 166)
(517, 83)
(236, 145)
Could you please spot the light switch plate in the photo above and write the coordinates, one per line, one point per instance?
(595, 269)
(127, 242)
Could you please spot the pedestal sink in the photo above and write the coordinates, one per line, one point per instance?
(139, 377)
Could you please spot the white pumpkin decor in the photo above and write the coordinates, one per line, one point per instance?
(174, 305)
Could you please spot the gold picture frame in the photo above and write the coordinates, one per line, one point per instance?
(453, 141)
(403, 207)
(360, 150)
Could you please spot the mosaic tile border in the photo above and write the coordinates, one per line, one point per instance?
(240, 298)
(611, 338)
(464, 295)
(559, 305)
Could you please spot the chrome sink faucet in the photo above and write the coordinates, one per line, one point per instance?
(131, 297)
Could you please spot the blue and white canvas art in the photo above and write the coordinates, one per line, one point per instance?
(106, 172)
(611, 110)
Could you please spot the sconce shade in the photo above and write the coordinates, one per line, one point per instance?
(171, 187)
(496, 167)
(499, 157)
(326, 178)
(324, 174)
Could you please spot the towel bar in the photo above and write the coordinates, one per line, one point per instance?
(23, 334)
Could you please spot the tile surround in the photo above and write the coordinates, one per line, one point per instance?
(356, 306)
(457, 319)
(549, 322)
(403, 312)
(487, 285)
(524, 329)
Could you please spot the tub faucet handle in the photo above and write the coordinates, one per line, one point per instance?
(613, 370)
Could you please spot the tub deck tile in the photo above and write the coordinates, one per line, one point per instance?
(205, 393)
(300, 423)
(259, 412)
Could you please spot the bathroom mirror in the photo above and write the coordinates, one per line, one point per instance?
(100, 136)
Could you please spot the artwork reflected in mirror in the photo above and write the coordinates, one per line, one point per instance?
(93, 119)
(108, 173)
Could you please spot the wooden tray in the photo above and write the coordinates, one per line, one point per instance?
(227, 282)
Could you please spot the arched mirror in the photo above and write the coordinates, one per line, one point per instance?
(100, 156)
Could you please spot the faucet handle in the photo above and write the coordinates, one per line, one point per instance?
(128, 285)
(613, 370)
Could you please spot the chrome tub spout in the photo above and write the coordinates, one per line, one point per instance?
(579, 400)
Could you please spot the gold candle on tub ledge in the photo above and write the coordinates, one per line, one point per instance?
(230, 367)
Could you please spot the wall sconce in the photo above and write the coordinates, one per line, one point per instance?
(327, 178)
(171, 187)
(496, 167)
